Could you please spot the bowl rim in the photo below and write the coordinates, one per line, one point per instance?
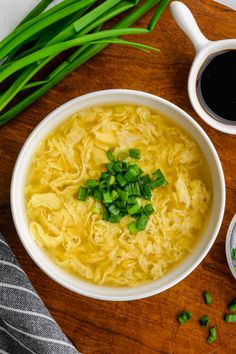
(228, 245)
(157, 99)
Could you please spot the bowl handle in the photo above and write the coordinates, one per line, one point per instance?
(187, 23)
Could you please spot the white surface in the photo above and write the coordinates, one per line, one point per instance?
(13, 11)
(229, 3)
(204, 48)
(112, 293)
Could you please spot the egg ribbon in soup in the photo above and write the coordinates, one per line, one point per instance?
(75, 237)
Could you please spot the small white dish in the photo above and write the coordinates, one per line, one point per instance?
(230, 243)
(204, 48)
(104, 292)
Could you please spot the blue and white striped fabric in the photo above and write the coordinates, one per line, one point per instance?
(25, 324)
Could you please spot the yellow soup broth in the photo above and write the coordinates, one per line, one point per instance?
(75, 237)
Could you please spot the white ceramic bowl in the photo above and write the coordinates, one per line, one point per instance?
(76, 284)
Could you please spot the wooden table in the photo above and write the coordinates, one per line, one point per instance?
(149, 325)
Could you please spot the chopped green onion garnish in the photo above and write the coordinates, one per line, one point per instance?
(124, 195)
(135, 189)
(146, 179)
(232, 305)
(148, 209)
(106, 215)
(146, 192)
(114, 195)
(133, 209)
(229, 317)
(134, 153)
(97, 195)
(132, 228)
(111, 180)
(184, 317)
(118, 167)
(234, 254)
(92, 183)
(120, 190)
(132, 200)
(109, 167)
(142, 222)
(204, 321)
(110, 156)
(107, 197)
(121, 180)
(207, 297)
(131, 174)
(104, 176)
(82, 194)
(113, 210)
(212, 335)
(114, 218)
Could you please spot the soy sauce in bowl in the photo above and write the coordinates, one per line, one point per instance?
(216, 86)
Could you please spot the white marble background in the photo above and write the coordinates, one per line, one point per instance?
(12, 11)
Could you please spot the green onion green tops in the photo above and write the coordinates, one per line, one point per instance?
(123, 190)
(204, 321)
(212, 335)
(207, 297)
(229, 317)
(232, 305)
(184, 317)
(234, 254)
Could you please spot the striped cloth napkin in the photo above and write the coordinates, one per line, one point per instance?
(26, 326)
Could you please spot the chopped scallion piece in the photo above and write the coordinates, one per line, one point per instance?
(148, 209)
(118, 167)
(111, 180)
(204, 321)
(132, 228)
(142, 222)
(124, 195)
(114, 195)
(132, 200)
(109, 167)
(207, 297)
(92, 183)
(121, 180)
(232, 305)
(107, 197)
(82, 194)
(110, 156)
(146, 179)
(184, 317)
(114, 218)
(106, 215)
(134, 153)
(113, 210)
(104, 176)
(234, 254)
(135, 189)
(212, 335)
(97, 195)
(230, 317)
(133, 209)
(131, 174)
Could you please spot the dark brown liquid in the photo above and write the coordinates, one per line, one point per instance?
(216, 86)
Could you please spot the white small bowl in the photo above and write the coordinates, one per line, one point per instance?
(117, 293)
(204, 49)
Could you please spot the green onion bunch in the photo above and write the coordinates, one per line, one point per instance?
(71, 24)
(121, 189)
